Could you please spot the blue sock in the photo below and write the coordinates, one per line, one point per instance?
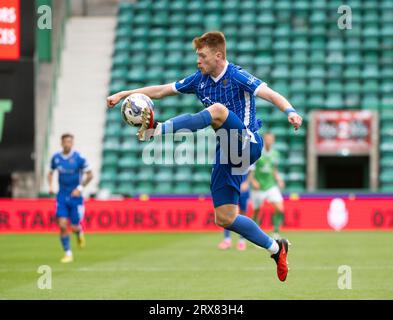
(249, 229)
(188, 121)
(65, 242)
(227, 234)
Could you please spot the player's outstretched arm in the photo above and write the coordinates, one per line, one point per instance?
(153, 92)
(88, 176)
(281, 103)
(50, 182)
(279, 179)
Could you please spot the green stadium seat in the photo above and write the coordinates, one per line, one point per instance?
(183, 173)
(144, 187)
(164, 174)
(370, 102)
(163, 188)
(280, 72)
(266, 18)
(179, 5)
(316, 72)
(334, 71)
(111, 144)
(128, 162)
(126, 177)
(281, 58)
(137, 74)
(108, 175)
(230, 6)
(201, 188)
(334, 101)
(352, 101)
(182, 188)
(201, 176)
(212, 22)
(107, 185)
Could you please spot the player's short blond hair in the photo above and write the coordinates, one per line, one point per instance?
(214, 40)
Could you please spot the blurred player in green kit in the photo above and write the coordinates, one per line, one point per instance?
(267, 183)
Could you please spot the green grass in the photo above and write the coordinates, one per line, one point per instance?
(189, 266)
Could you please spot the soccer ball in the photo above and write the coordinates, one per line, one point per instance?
(131, 109)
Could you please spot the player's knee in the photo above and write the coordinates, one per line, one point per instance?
(219, 112)
(223, 220)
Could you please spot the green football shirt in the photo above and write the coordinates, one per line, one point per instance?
(264, 169)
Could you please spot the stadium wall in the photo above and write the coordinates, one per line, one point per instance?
(191, 214)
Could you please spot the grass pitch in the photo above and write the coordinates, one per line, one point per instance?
(189, 266)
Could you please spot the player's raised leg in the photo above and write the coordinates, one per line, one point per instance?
(215, 115)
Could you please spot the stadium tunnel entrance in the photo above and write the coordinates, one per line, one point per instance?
(338, 172)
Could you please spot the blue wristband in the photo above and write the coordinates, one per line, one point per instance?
(288, 110)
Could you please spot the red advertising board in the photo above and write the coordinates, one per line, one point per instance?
(9, 29)
(196, 215)
(345, 131)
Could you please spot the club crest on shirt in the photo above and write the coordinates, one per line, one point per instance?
(224, 82)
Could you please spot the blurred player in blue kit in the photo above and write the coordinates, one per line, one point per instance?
(71, 167)
(228, 93)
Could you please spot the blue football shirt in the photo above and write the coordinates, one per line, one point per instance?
(71, 168)
(234, 87)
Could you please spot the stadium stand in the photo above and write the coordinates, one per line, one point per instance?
(296, 47)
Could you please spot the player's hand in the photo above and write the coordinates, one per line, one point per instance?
(113, 100)
(255, 185)
(75, 193)
(244, 186)
(295, 120)
(281, 184)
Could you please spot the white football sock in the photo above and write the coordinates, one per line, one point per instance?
(158, 130)
(273, 249)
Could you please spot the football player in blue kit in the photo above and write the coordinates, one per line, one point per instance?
(228, 93)
(71, 167)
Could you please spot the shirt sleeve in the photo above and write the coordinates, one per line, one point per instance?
(53, 165)
(186, 85)
(84, 164)
(276, 158)
(247, 81)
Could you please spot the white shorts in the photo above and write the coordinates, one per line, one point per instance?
(272, 195)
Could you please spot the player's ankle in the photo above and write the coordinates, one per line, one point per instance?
(68, 253)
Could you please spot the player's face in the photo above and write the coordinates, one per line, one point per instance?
(268, 140)
(67, 144)
(207, 60)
